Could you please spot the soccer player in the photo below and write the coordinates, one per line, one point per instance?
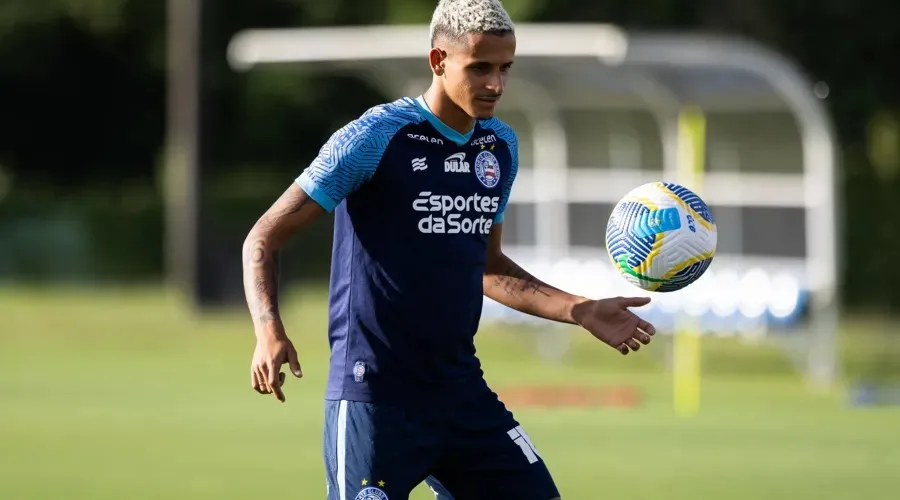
(418, 188)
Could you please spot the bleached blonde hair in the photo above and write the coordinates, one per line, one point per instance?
(455, 19)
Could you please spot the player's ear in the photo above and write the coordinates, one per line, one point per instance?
(436, 58)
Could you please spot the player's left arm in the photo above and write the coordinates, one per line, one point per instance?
(508, 283)
(609, 320)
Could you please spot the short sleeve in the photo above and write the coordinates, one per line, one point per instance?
(350, 158)
(506, 133)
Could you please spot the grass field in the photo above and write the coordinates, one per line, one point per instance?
(120, 395)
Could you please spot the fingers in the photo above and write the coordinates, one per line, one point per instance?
(275, 380)
(255, 382)
(642, 337)
(265, 374)
(633, 345)
(259, 373)
(635, 301)
(646, 327)
(260, 381)
(294, 363)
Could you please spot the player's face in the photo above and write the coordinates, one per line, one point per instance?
(476, 72)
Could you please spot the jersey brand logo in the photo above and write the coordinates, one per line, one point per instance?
(481, 141)
(487, 169)
(457, 163)
(419, 164)
(425, 138)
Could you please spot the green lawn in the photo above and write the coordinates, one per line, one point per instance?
(124, 396)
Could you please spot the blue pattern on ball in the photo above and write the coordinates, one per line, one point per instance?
(634, 228)
(620, 238)
(686, 276)
(692, 200)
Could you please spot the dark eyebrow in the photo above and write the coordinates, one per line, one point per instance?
(482, 62)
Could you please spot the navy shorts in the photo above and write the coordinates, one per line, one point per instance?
(469, 451)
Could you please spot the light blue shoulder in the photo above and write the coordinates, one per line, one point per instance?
(505, 133)
(392, 115)
(378, 125)
(359, 145)
(352, 154)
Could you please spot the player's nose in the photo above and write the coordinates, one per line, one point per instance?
(495, 83)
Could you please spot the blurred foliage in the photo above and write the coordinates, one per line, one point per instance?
(83, 94)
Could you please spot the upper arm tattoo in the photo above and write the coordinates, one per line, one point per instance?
(291, 202)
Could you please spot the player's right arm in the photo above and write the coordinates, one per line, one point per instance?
(293, 211)
(343, 164)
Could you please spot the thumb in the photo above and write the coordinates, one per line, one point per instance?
(295, 363)
(635, 301)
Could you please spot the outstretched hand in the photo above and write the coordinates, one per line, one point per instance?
(612, 322)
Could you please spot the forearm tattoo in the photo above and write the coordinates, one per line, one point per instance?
(262, 259)
(517, 282)
(264, 270)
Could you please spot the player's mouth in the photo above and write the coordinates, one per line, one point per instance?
(488, 101)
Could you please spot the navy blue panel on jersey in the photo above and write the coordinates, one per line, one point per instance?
(413, 208)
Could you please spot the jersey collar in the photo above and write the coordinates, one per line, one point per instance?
(442, 127)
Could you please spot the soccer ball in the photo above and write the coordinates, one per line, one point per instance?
(661, 236)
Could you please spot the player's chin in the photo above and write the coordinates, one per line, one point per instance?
(484, 108)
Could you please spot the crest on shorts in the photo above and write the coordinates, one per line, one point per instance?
(371, 493)
(487, 169)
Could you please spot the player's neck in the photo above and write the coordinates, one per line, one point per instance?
(447, 111)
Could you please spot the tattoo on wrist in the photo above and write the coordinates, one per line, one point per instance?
(516, 282)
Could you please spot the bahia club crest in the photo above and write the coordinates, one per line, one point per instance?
(371, 493)
(487, 169)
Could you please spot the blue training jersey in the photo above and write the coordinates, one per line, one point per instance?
(414, 203)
